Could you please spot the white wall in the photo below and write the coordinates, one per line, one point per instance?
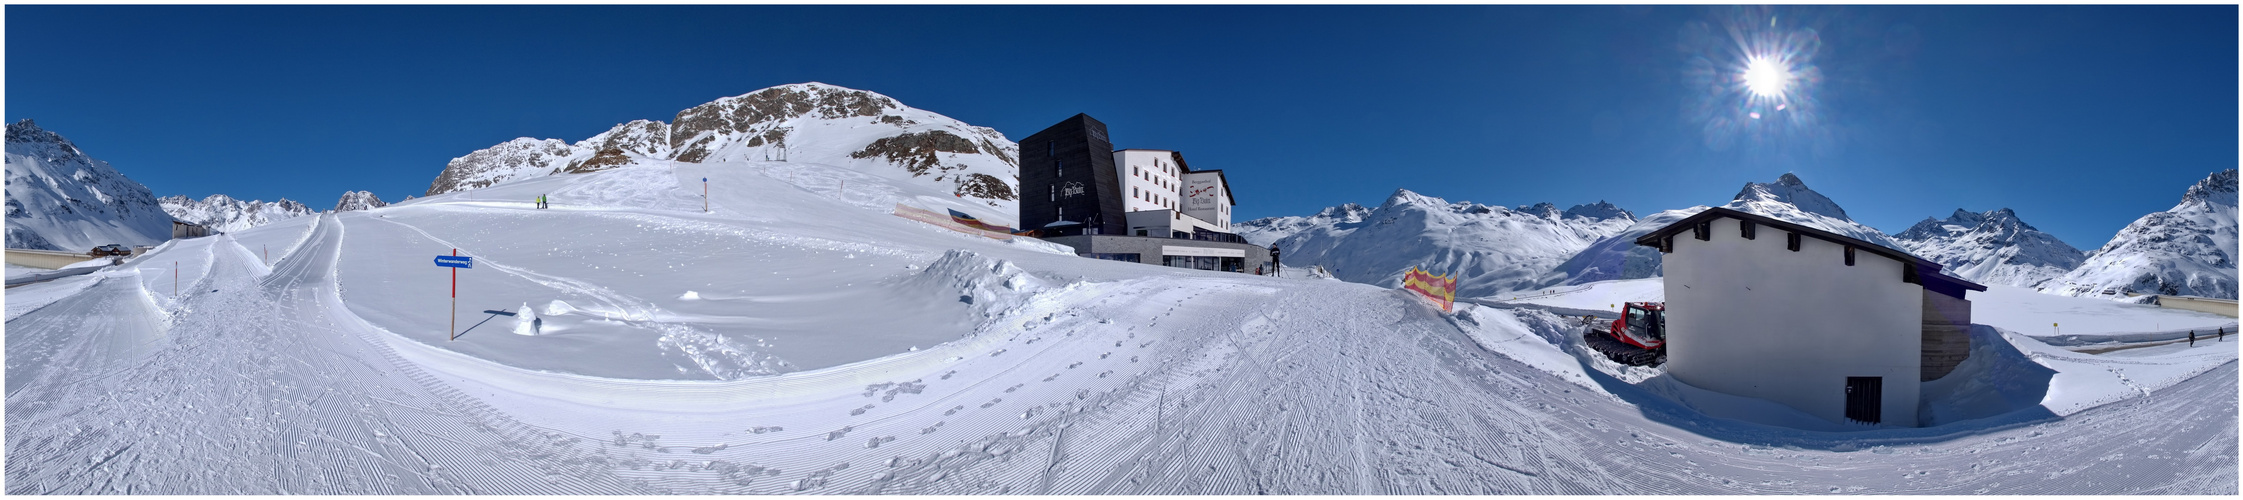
(1207, 198)
(1161, 222)
(1751, 318)
(1149, 180)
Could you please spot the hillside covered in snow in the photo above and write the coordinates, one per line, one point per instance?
(225, 214)
(797, 338)
(1488, 248)
(812, 123)
(2187, 250)
(61, 199)
(358, 200)
(1994, 247)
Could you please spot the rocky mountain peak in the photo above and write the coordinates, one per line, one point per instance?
(1544, 209)
(1600, 210)
(1789, 190)
(1408, 197)
(359, 200)
(2217, 189)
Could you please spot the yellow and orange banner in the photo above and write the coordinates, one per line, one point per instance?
(1440, 289)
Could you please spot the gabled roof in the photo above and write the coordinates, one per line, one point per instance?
(1927, 272)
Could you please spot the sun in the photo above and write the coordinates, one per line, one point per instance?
(1766, 77)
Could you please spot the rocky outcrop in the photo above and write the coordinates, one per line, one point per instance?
(359, 200)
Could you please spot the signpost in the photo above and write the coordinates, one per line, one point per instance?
(704, 195)
(456, 262)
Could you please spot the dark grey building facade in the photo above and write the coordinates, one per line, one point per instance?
(1067, 175)
(1071, 193)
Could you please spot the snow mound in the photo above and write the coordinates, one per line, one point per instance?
(991, 287)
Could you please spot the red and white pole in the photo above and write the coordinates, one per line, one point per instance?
(455, 301)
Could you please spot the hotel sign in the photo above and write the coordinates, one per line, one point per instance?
(1201, 193)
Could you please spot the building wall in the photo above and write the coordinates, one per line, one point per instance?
(1150, 179)
(1067, 173)
(1751, 318)
(1946, 335)
(1152, 250)
(1207, 198)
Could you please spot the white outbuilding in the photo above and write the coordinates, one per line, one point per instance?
(1834, 326)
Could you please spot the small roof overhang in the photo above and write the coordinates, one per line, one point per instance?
(1927, 272)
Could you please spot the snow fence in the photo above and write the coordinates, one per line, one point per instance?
(1440, 289)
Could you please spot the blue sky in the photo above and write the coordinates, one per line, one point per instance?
(2080, 118)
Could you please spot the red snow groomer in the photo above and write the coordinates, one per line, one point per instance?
(1638, 338)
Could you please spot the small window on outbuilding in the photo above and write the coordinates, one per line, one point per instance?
(1908, 274)
(1849, 255)
(1747, 228)
(1791, 241)
(1703, 231)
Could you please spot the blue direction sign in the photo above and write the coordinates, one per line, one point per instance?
(453, 261)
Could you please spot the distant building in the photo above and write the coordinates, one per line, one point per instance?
(1137, 205)
(1834, 326)
(182, 229)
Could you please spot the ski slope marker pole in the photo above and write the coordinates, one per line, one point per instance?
(175, 279)
(704, 195)
(455, 301)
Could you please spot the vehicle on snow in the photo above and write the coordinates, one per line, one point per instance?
(1638, 338)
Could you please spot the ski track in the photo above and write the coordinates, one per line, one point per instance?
(1174, 386)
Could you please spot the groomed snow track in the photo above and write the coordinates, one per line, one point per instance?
(262, 382)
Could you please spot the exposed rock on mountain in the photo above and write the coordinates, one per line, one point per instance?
(359, 200)
(61, 199)
(2188, 250)
(1489, 249)
(1994, 247)
(225, 214)
(809, 123)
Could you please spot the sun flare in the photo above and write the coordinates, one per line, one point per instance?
(1766, 78)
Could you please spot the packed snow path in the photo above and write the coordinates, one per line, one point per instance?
(257, 381)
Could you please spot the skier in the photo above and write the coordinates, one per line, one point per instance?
(1275, 265)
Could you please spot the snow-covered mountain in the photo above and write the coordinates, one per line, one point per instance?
(225, 214)
(803, 123)
(1789, 199)
(61, 199)
(1994, 247)
(359, 200)
(1489, 249)
(1268, 230)
(2188, 250)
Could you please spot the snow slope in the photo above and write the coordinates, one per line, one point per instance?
(1994, 247)
(225, 214)
(1488, 249)
(798, 339)
(61, 199)
(2188, 250)
(814, 123)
